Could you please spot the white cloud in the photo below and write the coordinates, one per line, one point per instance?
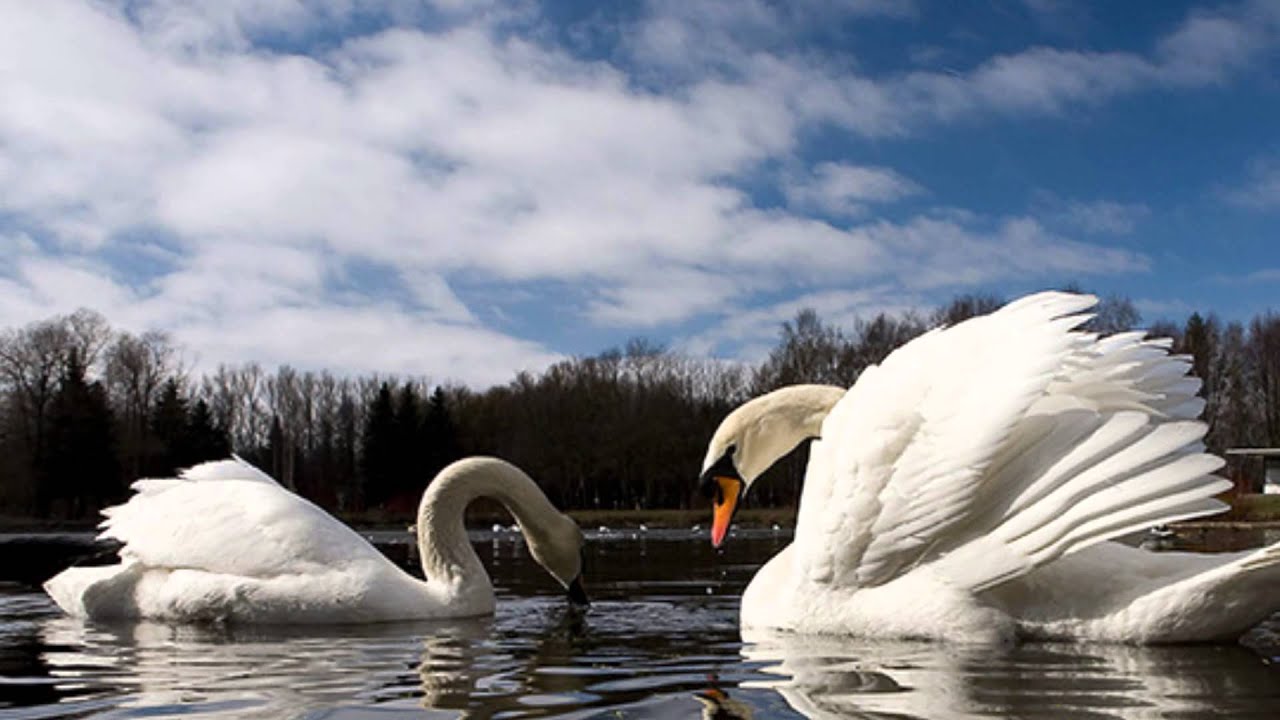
(1267, 275)
(356, 339)
(662, 296)
(433, 294)
(1260, 276)
(843, 189)
(461, 151)
(14, 246)
(941, 253)
(917, 265)
(1261, 191)
(1064, 17)
(1209, 45)
(754, 331)
(1105, 217)
(265, 304)
(1202, 50)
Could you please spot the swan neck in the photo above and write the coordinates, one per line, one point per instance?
(805, 407)
(443, 544)
(774, 424)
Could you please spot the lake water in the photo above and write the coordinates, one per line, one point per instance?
(660, 641)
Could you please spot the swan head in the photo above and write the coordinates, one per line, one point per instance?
(755, 436)
(557, 546)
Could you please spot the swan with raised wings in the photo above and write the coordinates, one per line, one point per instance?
(226, 542)
(970, 485)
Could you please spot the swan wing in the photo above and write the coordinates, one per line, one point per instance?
(1003, 442)
(228, 517)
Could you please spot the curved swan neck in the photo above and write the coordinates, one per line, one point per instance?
(443, 545)
(803, 407)
(765, 429)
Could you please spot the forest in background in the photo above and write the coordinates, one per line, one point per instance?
(85, 409)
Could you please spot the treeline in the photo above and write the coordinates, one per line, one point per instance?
(85, 409)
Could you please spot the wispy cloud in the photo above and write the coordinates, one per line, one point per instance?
(1261, 190)
(1259, 277)
(751, 332)
(1202, 50)
(1096, 217)
(1265, 275)
(846, 190)
(1106, 217)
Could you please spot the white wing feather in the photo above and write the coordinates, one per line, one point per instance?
(228, 517)
(1000, 444)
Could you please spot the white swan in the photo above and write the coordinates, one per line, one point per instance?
(225, 542)
(964, 489)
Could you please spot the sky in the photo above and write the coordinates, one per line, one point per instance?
(464, 190)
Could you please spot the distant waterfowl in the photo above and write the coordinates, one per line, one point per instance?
(1159, 538)
(969, 486)
(224, 542)
(717, 705)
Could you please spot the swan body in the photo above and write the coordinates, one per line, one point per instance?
(225, 543)
(970, 486)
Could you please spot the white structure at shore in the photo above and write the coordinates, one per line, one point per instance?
(1271, 464)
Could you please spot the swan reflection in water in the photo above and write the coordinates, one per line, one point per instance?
(253, 671)
(830, 677)
(538, 658)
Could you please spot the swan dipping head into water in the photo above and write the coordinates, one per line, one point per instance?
(224, 542)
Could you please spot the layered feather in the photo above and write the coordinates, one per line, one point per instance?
(998, 445)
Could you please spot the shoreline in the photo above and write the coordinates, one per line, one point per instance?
(478, 518)
(590, 519)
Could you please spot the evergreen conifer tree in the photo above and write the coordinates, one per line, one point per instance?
(377, 461)
(79, 465)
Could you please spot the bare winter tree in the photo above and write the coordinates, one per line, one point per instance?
(808, 351)
(963, 307)
(1114, 314)
(286, 395)
(33, 358)
(1264, 355)
(135, 369)
(621, 429)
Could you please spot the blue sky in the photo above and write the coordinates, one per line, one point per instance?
(464, 190)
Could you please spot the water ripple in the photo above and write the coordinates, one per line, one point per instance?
(649, 647)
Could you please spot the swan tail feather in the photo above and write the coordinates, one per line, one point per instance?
(134, 512)
(72, 588)
(234, 468)
(1222, 602)
(1266, 557)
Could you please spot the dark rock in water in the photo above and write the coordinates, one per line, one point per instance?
(32, 559)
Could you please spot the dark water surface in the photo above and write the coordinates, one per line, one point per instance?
(661, 640)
